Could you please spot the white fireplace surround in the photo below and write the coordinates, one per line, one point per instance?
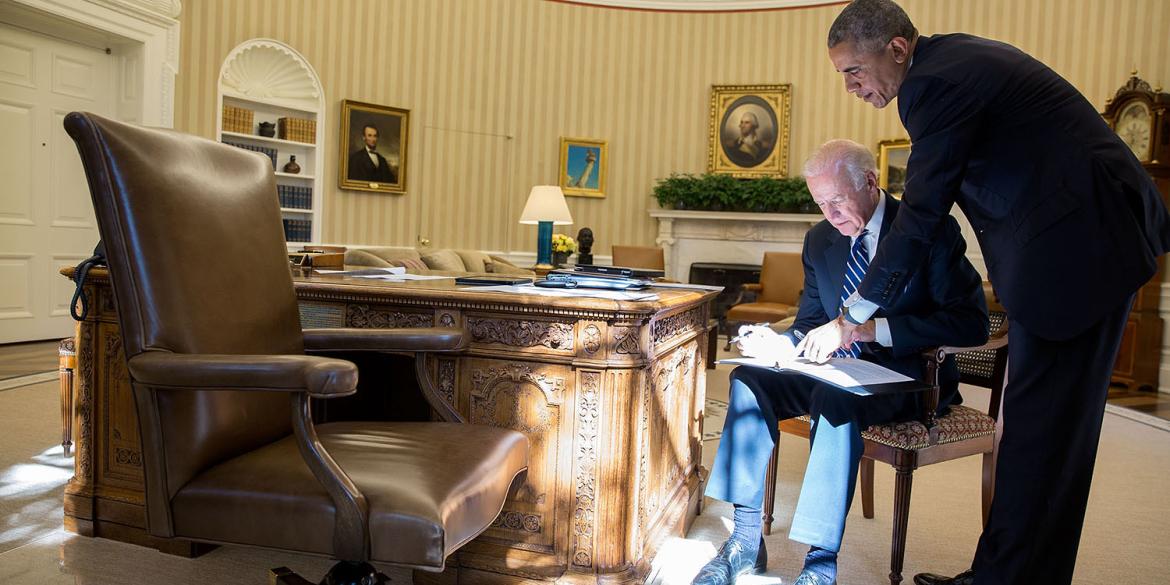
(726, 237)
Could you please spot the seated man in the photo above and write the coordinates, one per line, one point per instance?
(943, 305)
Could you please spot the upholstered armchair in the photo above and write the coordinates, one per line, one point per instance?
(223, 385)
(777, 295)
(651, 257)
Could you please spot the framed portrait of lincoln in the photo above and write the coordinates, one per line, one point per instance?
(749, 130)
(373, 150)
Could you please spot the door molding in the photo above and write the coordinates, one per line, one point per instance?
(144, 32)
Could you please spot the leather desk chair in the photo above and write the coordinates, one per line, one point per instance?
(222, 384)
(908, 445)
(777, 294)
(650, 257)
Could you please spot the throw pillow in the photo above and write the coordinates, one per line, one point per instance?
(475, 261)
(444, 260)
(412, 265)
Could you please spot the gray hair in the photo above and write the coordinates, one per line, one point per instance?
(755, 119)
(841, 157)
(870, 24)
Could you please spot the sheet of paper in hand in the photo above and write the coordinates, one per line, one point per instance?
(852, 375)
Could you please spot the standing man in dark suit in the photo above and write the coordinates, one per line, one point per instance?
(1070, 225)
(944, 305)
(366, 163)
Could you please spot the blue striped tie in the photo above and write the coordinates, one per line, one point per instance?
(854, 272)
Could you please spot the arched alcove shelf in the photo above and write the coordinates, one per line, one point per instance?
(263, 80)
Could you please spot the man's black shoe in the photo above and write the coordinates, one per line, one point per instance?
(730, 562)
(964, 578)
(812, 578)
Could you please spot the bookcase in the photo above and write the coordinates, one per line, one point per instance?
(263, 81)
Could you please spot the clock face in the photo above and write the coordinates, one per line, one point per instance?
(1134, 126)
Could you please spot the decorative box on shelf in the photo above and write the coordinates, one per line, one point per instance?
(297, 129)
(237, 119)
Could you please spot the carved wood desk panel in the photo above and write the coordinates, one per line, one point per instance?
(609, 393)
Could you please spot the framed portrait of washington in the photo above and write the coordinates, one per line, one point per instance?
(749, 130)
(892, 158)
(373, 149)
(582, 167)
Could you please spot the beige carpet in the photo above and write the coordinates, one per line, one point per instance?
(1126, 540)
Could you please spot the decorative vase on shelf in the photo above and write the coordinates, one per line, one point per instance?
(292, 167)
(267, 129)
(559, 259)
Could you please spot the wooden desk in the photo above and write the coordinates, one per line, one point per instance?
(609, 393)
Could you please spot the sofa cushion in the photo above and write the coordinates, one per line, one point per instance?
(500, 265)
(475, 261)
(444, 260)
(364, 258)
(391, 253)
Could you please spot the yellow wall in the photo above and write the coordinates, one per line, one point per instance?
(493, 84)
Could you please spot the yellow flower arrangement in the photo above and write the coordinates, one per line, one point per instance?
(563, 243)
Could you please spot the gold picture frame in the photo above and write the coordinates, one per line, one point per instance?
(583, 167)
(892, 158)
(382, 167)
(749, 130)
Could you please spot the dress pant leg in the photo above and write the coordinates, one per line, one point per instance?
(1053, 406)
(835, 450)
(758, 400)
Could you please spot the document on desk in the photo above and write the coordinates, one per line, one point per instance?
(378, 272)
(852, 375)
(403, 277)
(594, 293)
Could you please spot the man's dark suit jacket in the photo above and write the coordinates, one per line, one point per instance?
(1069, 222)
(943, 303)
(361, 168)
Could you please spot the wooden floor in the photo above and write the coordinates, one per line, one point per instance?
(23, 359)
(1152, 403)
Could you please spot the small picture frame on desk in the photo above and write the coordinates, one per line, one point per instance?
(373, 149)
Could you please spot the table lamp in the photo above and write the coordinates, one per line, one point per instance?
(546, 206)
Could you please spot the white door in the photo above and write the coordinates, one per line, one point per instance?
(46, 217)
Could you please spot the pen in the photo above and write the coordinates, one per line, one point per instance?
(746, 333)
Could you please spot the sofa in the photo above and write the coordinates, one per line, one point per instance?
(424, 261)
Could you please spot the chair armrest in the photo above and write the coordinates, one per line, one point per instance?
(997, 340)
(320, 377)
(437, 339)
(753, 287)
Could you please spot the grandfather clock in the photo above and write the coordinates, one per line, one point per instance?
(1141, 117)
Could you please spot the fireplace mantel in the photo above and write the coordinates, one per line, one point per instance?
(726, 236)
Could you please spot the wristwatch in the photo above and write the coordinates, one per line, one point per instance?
(846, 305)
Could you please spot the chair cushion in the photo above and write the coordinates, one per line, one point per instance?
(364, 258)
(430, 487)
(444, 260)
(760, 312)
(960, 424)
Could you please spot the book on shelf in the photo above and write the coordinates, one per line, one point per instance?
(849, 374)
(297, 129)
(269, 152)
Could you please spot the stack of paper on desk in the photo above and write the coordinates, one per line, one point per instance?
(854, 375)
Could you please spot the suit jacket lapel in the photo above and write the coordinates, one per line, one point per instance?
(836, 255)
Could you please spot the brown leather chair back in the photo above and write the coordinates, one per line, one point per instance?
(180, 290)
(781, 277)
(639, 257)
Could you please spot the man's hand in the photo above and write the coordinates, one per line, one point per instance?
(762, 341)
(820, 343)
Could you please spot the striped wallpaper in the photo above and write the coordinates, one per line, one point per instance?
(493, 84)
